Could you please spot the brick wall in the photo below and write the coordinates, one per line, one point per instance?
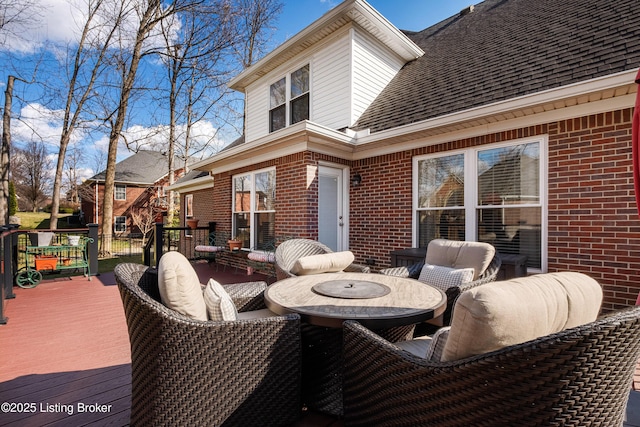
(594, 226)
(593, 220)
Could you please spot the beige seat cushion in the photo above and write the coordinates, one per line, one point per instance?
(219, 304)
(256, 314)
(500, 314)
(179, 286)
(460, 254)
(323, 263)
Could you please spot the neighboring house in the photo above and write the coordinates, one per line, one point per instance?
(508, 123)
(140, 183)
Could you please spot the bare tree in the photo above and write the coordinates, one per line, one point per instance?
(254, 27)
(15, 16)
(29, 170)
(73, 161)
(5, 152)
(87, 65)
(127, 60)
(190, 55)
(144, 214)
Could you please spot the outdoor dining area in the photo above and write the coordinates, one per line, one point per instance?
(332, 343)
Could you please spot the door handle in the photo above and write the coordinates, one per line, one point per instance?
(340, 221)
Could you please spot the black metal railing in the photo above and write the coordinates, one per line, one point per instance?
(181, 239)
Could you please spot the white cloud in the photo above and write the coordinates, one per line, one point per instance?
(59, 22)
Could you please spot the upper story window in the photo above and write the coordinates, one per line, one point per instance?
(490, 194)
(120, 192)
(290, 93)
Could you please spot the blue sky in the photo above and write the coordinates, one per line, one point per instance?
(43, 121)
(404, 14)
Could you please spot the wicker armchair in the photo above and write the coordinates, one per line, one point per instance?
(190, 372)
(413, 271)
(578, 376)
(289, 251)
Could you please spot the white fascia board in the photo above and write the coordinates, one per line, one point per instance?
(351, 10)
(539, 98)
(202, 183)
(290, 140)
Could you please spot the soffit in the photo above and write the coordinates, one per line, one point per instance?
(351, 11)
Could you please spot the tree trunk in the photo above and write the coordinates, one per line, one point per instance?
(5, 158)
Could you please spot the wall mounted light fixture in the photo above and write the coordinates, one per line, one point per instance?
(356, 180)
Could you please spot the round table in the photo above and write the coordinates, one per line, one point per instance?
(400, 304)
(407, 302)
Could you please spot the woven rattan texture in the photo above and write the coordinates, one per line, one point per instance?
(577, 377)
(322, 365)
(413, 271)
(289, 251)
(187, 372)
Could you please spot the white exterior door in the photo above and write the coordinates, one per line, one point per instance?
(332, 218)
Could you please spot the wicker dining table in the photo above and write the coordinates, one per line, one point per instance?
(391, 306)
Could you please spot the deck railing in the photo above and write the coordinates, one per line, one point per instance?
(181, 239)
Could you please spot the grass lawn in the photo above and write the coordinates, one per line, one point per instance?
(40, 220)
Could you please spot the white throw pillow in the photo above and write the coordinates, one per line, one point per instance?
(219, 304)
(179, 286)
(444, 278)
(323, 263)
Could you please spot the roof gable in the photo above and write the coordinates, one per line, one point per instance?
(144, 168)
(506, 49)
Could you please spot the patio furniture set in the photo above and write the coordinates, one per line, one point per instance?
(331, 336)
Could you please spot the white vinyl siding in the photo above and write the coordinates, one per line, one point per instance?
(373, 69)
(332, 85)
(257, 111)
(347, 73)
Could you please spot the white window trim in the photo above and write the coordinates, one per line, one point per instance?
(115, 222)
(188, 204)
(252, 209)
(470, 199)
(288, 99)
(115, 192)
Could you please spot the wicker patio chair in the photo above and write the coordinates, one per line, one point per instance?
(575, 377)
(190, 372)
(289, 251)
(413, 271)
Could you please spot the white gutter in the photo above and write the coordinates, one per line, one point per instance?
(196, 184)
(526, 101)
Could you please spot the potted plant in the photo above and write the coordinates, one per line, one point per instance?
(235, 244)
(192, 223)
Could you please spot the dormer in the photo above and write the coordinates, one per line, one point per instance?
(328, 74)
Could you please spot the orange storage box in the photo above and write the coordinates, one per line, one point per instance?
(46, 262)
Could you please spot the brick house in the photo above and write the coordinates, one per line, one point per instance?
(140, 179)
(508, 123)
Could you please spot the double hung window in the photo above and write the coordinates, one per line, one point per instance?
(490, 194)
(254, 208)
(120, 224)
(120, 192)
(290, 93)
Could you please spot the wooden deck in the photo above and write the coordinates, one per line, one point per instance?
(65, 357)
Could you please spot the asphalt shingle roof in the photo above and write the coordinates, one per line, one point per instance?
(506, 49)
(144, 167)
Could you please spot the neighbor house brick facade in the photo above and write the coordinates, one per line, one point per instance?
(509, 123)
(140, 180)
